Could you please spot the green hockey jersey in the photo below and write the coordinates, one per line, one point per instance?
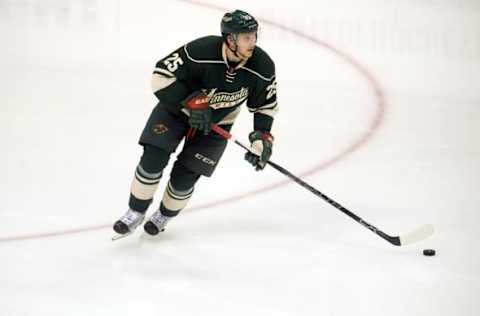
(202, 64)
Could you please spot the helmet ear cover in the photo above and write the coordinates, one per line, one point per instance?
(225, 36)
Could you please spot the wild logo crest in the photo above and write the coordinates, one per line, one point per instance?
(160, 129)
(226, 100)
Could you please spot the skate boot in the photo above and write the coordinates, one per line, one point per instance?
(156, 223)
(128, 222)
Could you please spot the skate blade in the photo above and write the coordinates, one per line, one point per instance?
(118, 236)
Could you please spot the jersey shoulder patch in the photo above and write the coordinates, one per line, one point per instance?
(261, 65)
(205, 49)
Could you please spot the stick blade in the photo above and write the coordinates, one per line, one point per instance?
(416, 235)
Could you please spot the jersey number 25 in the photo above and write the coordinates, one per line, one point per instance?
(173, 62)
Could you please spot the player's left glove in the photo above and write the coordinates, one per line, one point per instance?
(261, 145)
(198, 104)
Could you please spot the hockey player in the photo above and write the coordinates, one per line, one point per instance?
(202, 82)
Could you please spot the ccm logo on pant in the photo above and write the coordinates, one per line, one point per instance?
(204, 159)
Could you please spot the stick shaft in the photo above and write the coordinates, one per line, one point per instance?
(393, 240)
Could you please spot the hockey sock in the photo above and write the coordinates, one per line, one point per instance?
(146, 179)
(179, 189)
(174, 201)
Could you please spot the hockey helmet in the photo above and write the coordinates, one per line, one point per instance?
(238, 22)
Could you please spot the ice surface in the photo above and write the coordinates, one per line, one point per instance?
(75, 95)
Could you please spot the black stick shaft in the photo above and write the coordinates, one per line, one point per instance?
(393, 240)
(335, 204)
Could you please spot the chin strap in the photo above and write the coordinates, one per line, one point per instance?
(234, 51)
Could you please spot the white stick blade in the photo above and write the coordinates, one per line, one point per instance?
(418, 234)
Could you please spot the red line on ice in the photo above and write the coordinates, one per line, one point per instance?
(361, 141)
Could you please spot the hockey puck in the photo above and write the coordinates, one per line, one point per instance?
(429, 252)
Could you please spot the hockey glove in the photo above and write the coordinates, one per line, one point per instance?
(261, 146)
(200, 112)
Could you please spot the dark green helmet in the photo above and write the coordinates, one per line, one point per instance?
(238, 22)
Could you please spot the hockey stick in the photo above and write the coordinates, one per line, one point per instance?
(418, 234)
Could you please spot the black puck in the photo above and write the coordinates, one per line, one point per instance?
(429, 252)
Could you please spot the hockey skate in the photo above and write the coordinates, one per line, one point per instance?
(127, 224)
(156, 223)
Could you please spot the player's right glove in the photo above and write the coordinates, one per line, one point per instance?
(198, 105)
(261, 146)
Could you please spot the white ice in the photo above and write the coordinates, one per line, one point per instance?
(75, 94)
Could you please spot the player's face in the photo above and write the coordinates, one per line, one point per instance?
(246, 44)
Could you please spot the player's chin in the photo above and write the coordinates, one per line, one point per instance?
(248, 54)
